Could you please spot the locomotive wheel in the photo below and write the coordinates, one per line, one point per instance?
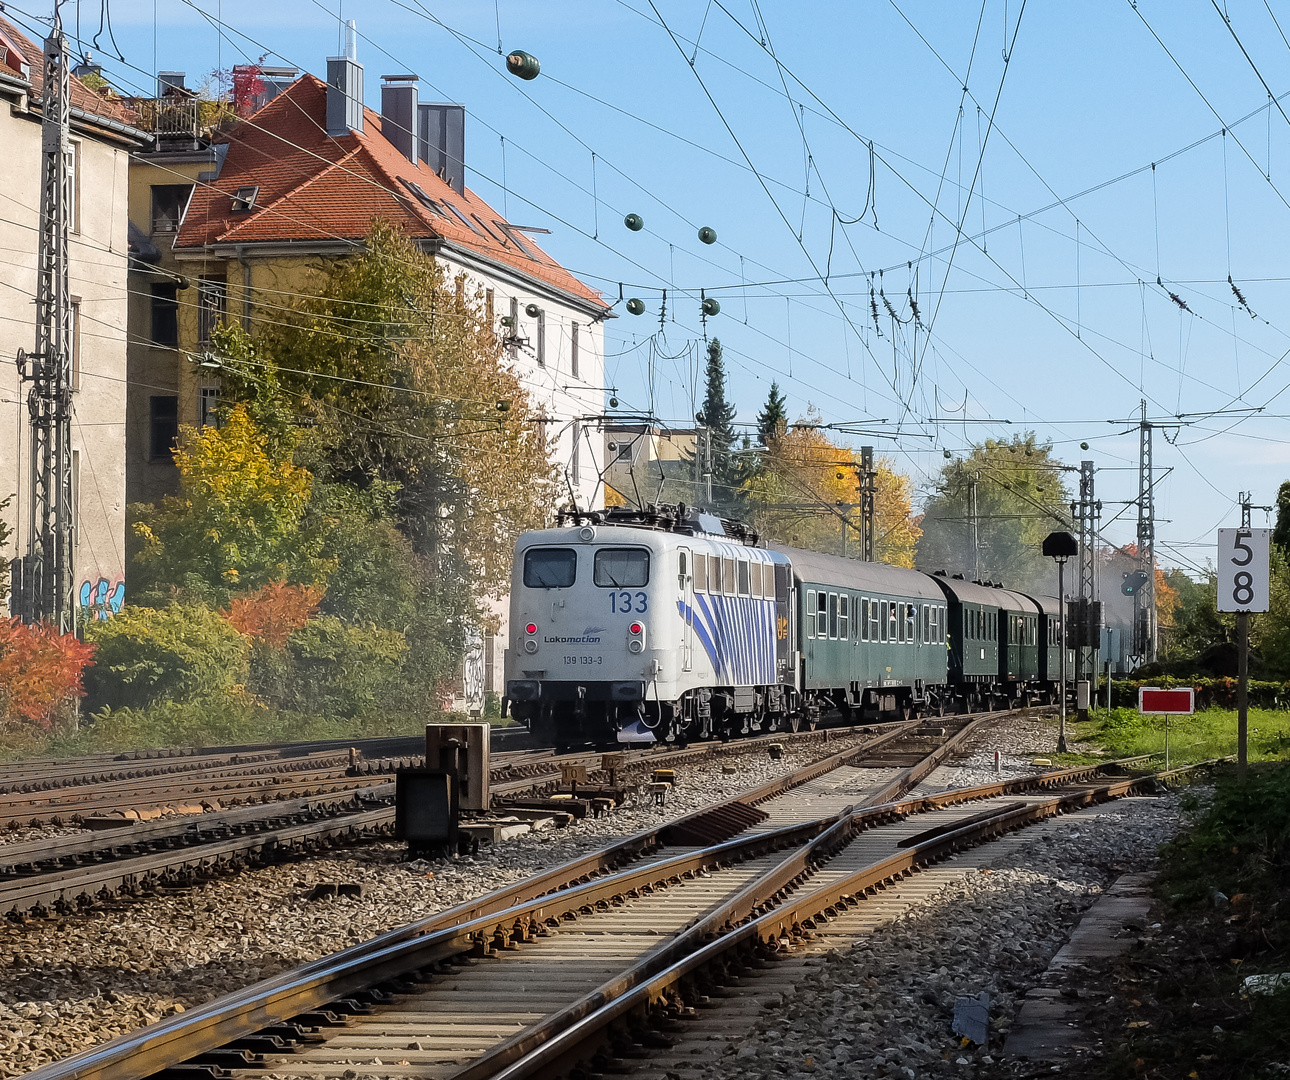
(939, 707)
(906, 712)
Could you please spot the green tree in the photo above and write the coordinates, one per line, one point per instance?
(772, 421)
(716, 437)
(1281, 533)
(235, 525)
(406, 383)
(1020, 499)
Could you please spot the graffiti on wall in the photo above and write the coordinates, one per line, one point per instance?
(102, 598)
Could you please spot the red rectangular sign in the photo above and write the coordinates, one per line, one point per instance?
(1152, 699)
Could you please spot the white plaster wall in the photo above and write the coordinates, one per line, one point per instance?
(98, 253)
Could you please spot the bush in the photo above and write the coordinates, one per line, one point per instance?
(177, 653)
(1219, 692)
(1240, 841)
(273, 613)
(40, 671)
(329, 668)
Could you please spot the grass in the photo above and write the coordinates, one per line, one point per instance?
(197, 724)
(1208, 734)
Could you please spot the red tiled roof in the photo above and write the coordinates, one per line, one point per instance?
(82, 96)
(313, 186)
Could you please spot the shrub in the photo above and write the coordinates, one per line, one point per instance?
(329, 668)
(273, 613)
(177, 653)
(40, 669)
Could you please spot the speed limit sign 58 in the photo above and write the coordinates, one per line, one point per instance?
(1243, 569)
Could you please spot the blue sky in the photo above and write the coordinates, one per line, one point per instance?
(1052, 320)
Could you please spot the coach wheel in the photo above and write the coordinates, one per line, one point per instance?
(939, 705)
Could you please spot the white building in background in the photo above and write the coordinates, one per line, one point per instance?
(102, 137)
(300, 181)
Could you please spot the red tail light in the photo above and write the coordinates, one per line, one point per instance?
(531, 628)
(636, 628)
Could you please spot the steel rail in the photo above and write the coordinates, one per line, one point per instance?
(513, 913)
(473, 924)
(561, 1041)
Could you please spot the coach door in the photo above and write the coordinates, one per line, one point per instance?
(685, 594)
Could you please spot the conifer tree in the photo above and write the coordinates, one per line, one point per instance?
(772, 421)
(717, 419)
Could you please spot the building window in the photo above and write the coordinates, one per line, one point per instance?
(625, 451)
(212, 305)
(76, 343)
(165, 316)
(74, 185)
(573, 350)
(164, 427)
(541, 339)
(168, 202)
(76, 498)
(208, 407)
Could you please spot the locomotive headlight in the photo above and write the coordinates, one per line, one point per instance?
(636, 637)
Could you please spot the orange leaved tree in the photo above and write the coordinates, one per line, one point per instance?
(274, 612)
(40, 670)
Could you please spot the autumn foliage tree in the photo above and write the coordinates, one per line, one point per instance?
(236, 524)
(407, 384)
(272, 613)
(40, 670)
(805, 492)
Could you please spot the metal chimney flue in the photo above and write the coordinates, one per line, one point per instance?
(443, 142)
(399, 113)
(345, 88)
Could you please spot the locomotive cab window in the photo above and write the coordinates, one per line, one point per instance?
(621, 568)
(700, 573)
(550, 568)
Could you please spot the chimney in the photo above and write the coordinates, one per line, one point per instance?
(399, 113)
(443, 142)
(345, 88)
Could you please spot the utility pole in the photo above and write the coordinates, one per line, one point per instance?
(1089, 610)
(868, 485)
(1144, 601)
(1243, 668)
(46, 591)
(976, 532)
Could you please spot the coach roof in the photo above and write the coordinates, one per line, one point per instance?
(865, 577)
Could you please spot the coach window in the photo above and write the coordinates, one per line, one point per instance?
(728, 576)
(822, 615)
(844, 617)
(810, 613)
(550, 568)
(833, 616)
(911, 623)
(621, 568)
(744, 587)
(893, 622)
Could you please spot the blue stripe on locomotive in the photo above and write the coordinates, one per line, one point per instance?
(738, 634)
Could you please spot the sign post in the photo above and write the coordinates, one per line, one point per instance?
(1152, 701)
(1243, 586)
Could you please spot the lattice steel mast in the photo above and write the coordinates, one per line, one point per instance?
(47, 588)
(1144, 601)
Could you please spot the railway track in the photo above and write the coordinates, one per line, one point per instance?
(610, 951)
(66, 874)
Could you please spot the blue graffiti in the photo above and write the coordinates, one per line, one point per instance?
(102, 598)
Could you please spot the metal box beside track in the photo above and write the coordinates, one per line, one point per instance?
(462, 749)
